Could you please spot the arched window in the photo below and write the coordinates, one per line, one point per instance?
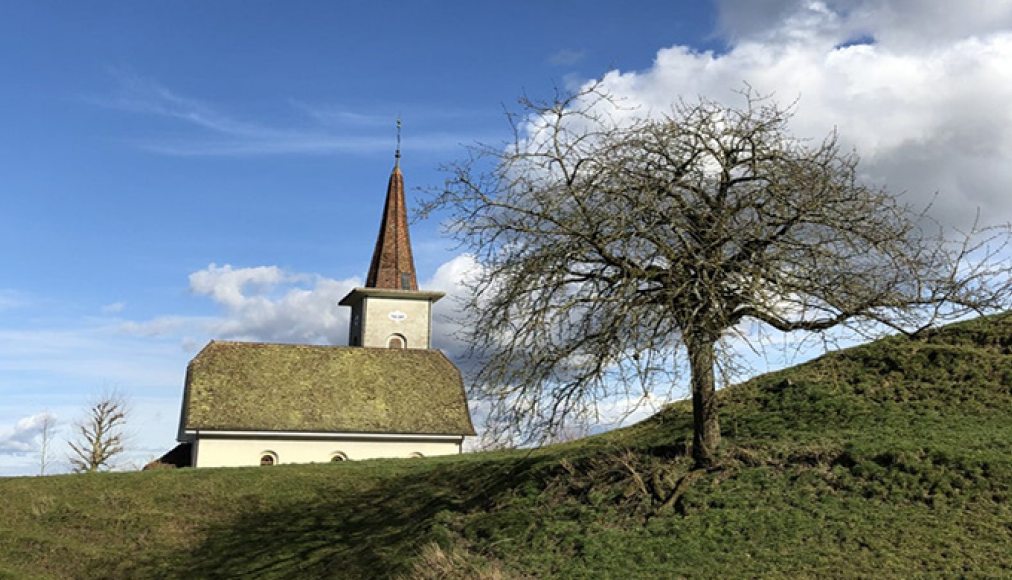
(338, 456)
(268, 458)
(397, 341)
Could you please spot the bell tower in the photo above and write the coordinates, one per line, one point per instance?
(390, 311)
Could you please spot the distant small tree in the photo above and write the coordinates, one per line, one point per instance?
(608, 248)
(99, 436)
(47, 426)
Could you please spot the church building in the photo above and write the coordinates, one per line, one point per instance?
(386, 394)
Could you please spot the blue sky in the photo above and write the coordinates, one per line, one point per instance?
(176, 172)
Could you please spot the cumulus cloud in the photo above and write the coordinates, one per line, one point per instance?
(268, 303)
(452, 278)
(919, 89)
(897, 22)
(228, 286)
(21, 438)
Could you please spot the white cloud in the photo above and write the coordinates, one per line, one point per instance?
(924, 101)
(451, 277)
(261, 303)
(621, 411)
(566, 57)
(11, 299)
(301, 314)
(57, 361)
(897, 22)
(215, 132)
(271, 304)
(228, 286)
(160, 326)
(114, 308)
(22, 437)
(383, 116)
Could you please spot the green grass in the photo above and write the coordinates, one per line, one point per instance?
(892, 459)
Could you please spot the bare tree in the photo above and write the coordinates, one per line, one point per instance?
(47, 425)
(99, 436)
(609, 248)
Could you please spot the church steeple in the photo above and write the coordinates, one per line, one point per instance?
(392, 266)
(391, 312)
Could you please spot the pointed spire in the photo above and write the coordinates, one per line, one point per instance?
(392, 265)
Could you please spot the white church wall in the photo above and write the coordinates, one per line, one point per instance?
(245, 451)
(387, 316)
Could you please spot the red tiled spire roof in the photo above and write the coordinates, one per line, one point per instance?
(392, 265)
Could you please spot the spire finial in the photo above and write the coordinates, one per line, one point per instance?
(397, 155)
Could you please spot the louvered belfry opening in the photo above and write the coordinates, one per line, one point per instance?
(393, 266)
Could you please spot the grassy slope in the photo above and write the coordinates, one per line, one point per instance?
(890, 459)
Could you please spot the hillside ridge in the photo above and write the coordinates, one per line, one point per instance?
(888, 459)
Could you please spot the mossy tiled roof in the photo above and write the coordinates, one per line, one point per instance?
(246, 386)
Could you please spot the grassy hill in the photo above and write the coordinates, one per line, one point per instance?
(891, 459)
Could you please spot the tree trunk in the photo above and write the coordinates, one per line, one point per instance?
(705, 422)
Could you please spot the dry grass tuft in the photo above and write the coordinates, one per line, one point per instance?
(455, 563)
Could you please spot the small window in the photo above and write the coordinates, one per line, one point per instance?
(397, 341)
(405, 281)
(268, 458)
(416, 455)
(338, 457)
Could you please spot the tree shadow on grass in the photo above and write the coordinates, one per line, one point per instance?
(369, 533)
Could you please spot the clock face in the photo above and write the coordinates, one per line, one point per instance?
(398, 316)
